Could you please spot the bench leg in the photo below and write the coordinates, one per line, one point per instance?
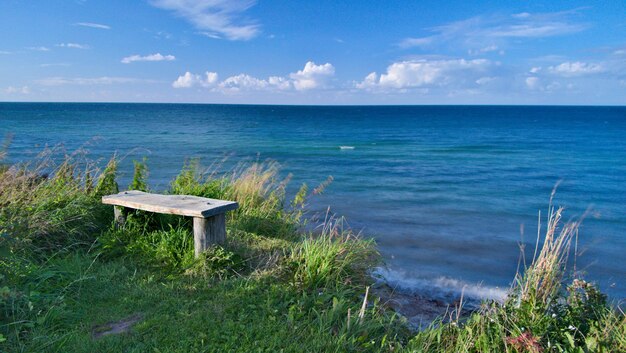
(208, 231)
(120, 217)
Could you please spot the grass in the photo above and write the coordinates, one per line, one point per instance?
(66, 275)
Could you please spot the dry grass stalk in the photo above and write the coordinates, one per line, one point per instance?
(543, 279)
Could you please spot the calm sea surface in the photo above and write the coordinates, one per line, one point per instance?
(443, 189)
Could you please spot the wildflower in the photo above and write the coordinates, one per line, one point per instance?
(571, 327)
(553, 316)
(525, 342)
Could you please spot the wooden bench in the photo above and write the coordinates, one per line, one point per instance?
(209, 221)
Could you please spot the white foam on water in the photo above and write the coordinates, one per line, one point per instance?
(443, 288)
(346, 147)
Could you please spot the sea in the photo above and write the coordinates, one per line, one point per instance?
(449, 193)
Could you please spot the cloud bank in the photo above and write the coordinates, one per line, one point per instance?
(312, 76)
(427, 73)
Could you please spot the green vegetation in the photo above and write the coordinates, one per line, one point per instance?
(68, 276)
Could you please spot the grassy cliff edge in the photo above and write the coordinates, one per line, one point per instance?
(69, 279)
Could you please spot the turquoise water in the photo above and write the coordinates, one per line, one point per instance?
(443, 189)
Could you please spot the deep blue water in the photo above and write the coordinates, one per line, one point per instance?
(443, 189)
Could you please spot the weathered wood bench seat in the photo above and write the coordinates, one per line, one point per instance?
(209, 221)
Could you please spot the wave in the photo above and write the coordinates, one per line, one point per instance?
(441, 288)
(346, 147)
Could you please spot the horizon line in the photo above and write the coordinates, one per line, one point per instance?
(325, 105)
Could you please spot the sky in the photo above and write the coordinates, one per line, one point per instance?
(314, 52)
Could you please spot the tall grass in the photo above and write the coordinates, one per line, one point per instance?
(335, 257)
(53, 210)
(54, 232)
(261, 213)
(541, 312)
(541, 282)
(49, 205)
(260, 192)
(47, 209)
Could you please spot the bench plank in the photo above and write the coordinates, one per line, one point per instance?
(183, 205)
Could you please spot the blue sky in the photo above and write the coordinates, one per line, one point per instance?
(314, 52)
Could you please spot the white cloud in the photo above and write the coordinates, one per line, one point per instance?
(243, 82)
(576, 68)
(535, 69)
(497, 29)
(54, 64)
(189, 80)
(163, 35)
(416, 42)
(541, 85)
(485, 80)
(73, 45)
(38, 48)
(210, 34)
(215, 18)
(186, 81)
(532, 82)
(533, 30)
(370, 81)
(151, 57)
(279, 82)
(82, 81)
(211, 78)
(17, 90)
(487, 49)
(312, 76)
(421, 73)
(92, 25)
